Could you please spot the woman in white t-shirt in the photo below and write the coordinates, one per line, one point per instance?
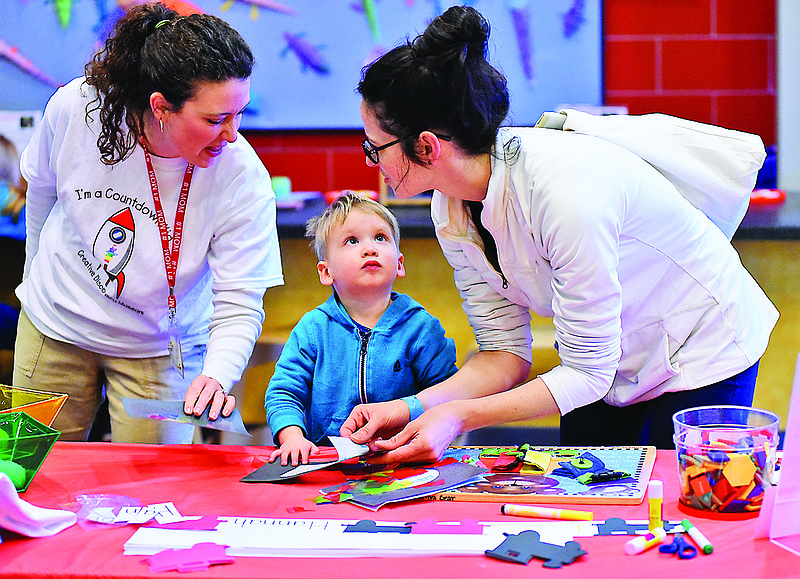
(151, 229)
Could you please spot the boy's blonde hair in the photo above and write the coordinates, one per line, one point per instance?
(319, 228)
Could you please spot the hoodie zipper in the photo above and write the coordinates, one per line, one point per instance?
(362, 365)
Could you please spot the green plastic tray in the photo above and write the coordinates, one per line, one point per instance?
(24, 444)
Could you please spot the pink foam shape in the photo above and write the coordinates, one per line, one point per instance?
(199, 558)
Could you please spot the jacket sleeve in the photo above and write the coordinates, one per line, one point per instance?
(289, 392)
(580, 235)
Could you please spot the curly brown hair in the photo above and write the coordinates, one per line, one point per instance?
(154, 49)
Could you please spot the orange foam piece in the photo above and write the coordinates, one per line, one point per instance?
(694, 470)
(739, 470)
(700, 485)
(742, 496)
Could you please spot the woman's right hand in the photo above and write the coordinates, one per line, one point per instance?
(482, 393)
(422, 440)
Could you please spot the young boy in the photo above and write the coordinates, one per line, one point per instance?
(366, 343)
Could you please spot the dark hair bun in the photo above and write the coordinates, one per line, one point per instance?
(440, 81)
(461, 33)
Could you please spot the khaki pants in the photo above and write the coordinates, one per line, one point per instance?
(41, 363)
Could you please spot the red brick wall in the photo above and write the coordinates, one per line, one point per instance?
(316, 160)
(708, 60)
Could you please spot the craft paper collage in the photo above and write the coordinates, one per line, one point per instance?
(546, 484)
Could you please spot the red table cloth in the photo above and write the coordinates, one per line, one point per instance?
(204, 480)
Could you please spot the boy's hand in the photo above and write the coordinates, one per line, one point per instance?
(294, 447)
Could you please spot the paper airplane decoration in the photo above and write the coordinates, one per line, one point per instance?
(13, 55)
(404, 483)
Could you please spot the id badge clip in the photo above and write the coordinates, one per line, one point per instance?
(174, 346)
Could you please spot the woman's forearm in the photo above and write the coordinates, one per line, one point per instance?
(483, 374)
(524, 402)
(491, 389)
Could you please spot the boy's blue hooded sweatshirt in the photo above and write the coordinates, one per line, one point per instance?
(330, 364)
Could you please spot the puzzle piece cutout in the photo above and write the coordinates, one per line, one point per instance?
(526, 545)
(617, 526)
(199, 558)
(588, 469)
(579, 465)
(367, 526)
(535, 462)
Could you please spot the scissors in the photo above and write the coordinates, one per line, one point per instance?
(679, 546)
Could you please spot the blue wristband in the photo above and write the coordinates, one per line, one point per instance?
(415, 408)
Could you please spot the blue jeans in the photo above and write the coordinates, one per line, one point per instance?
(649, 423)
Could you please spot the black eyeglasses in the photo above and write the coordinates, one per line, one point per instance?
(371, 151)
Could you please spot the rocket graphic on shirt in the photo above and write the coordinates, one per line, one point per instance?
(114, 246)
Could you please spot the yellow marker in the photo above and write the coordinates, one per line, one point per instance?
(655, 499)
(545, 513)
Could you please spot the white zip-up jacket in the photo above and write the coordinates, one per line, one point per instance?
(647, 295)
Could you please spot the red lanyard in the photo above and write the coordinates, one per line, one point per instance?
(170, 254)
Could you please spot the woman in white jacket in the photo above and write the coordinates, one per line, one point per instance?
(652, 308)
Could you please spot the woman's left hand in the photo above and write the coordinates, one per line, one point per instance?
(376, 420)
(204, 391)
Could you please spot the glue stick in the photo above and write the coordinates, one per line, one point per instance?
(642, 543)
(655, 499)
